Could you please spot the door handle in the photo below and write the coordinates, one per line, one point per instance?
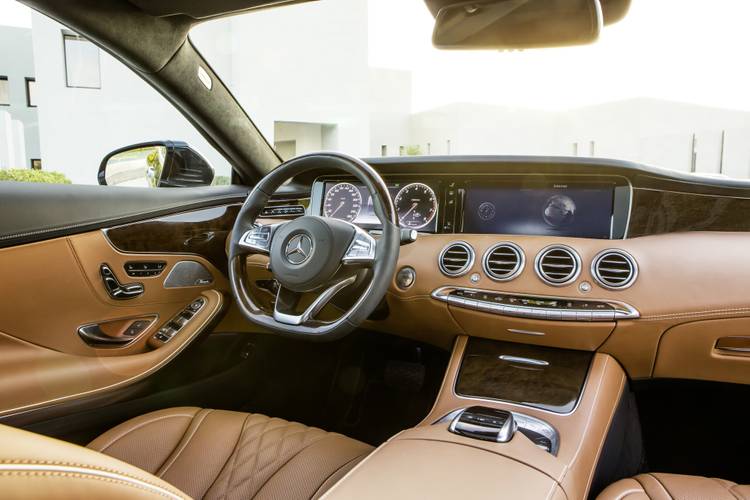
(117, 290)
(737, 345)
(93, 336)
(115, 333)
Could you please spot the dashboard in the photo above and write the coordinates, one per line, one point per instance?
(645, 264)
(571, 206)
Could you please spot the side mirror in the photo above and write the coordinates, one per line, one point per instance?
(521, 24)
(155, 164)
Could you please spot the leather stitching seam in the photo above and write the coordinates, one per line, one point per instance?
(142, 424)
(662, 485)
(76, 464)
(232, 456)
(358, 457)
(286, 462)
(240, 445)
(183, 444)
(79, 476)
(708, 312)
(729, 487)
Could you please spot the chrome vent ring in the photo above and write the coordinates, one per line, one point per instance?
(614, 269)
(456, 259)
(558, 265)
(503, 261)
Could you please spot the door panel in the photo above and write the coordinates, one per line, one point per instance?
(52, 288)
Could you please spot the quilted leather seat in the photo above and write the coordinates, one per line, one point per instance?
(232, 455)
(674, 487)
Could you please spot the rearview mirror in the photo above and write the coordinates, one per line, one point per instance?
(519, 24)
(155, 164)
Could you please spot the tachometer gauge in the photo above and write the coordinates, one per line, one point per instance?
(416, 205)
(343, 201)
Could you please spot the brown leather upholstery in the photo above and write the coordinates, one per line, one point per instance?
(228, 455)
(34, 466)
(674, 487)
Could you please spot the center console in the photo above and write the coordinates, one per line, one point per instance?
(511, 420)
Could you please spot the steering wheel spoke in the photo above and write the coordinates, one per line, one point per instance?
(287, 300)
(361, 250)
(258, 238)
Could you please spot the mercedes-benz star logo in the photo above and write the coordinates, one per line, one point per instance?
(298, 249)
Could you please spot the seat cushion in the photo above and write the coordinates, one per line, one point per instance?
(674, 487)
(225, 454)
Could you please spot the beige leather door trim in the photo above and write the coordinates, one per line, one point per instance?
(32, 377)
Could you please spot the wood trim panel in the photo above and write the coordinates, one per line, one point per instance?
(660, 212)
(200, 232)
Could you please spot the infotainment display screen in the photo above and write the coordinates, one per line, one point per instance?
(564, 209)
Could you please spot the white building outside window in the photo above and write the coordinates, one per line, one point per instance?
(4, 92)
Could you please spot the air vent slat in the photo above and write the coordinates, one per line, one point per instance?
(456, 259)
(503, 261)
(558, 265)
(614, 269)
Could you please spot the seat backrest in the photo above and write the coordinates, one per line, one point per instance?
(35, 466)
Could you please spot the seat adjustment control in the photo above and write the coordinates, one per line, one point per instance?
(144, 269)
(487, 424)
(117, 290)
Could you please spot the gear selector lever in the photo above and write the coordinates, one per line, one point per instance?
(484, 423)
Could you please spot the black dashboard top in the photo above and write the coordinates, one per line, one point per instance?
(659, 200)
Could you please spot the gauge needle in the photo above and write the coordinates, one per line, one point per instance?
(337, 209)
(413, 206)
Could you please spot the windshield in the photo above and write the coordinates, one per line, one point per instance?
(667, 86)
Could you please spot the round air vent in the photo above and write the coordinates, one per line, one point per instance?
(614, 269)
(456, 258)
(558, 265)
(503, 261)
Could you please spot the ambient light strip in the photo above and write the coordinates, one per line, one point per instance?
(536, 307)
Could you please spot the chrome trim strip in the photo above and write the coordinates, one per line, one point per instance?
(315, 307)
(620, 311)
(522, 360)
(526, 332)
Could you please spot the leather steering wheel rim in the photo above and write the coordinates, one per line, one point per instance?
(383, 260)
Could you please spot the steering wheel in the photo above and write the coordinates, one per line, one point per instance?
(313, 254)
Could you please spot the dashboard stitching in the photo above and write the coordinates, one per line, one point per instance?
(713, 312)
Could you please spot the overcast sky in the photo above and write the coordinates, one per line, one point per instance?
(685, 50)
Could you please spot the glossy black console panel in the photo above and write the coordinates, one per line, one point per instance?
(536, 376)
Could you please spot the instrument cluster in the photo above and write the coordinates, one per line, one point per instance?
(416, 204)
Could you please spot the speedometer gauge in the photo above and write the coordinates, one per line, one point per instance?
(416, 205)
(343, 201)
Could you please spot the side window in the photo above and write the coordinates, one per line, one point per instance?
(66, 105)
